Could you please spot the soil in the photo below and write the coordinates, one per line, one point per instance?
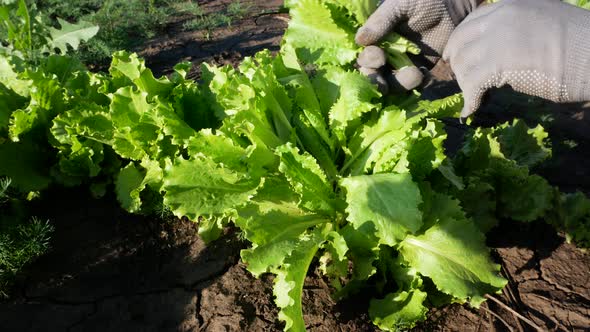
(111, 271)
(262, 28)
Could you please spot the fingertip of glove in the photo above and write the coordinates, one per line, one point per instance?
(372, 57)
(365, 36)
(409, 77)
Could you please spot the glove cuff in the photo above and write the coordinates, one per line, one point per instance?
(459, 9)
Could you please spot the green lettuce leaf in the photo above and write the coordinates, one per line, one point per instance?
(128, 187)
(425, 150)
(145, 129)
(308, 181)
(288, 286)
(309, 120)
(522, 144)
(132, 180)
(478, 199)
(79, 162)
(313, 30)
(354, 98)
(520, 195)
(10, 78)
(453, 254)
(273, 222)
(363, 247)
(201, 187)
(334, 262)
(486, 159)
(360, 9)
(211, 228)
(244, 114)
(379, 141)
(25, 164)
(399, 311)
(47, 100)
(572, 215)
(396, 48)
(275, 102)
(389, 201)
(128, 65)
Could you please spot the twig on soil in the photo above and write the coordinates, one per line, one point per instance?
(515, 313)
(279, 15)
(498, 318)
(282, 18)
(490, 321)
(509, 293)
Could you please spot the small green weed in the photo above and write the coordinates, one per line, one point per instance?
(207, 22)
(21, 242)
(238, 9)
(188, 7)
(124, 24)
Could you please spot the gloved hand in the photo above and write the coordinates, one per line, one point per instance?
(428, 23)
(538, 47)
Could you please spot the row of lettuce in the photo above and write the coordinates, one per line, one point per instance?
(301, 153)
(25, 43)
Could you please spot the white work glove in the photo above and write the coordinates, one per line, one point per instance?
(538, 47)
(428, 23)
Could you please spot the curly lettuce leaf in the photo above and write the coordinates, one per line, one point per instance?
(308, 181)
(498, 157)
(333, 23)
(275, 102)
(374, 140)
(309, 120)
(520, 195)
(348, 95)
(145, 129)
(130, 66)
(47, 100)
(572, 215)
(243, 113)
(397, 48)
(522, 144)
(313, 29)
(201, 187)
(10, 77)
(132, 180)
(288, 287)
(363, 245)
(425, 151)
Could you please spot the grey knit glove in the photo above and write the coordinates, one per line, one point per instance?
(428, 23)
(538, 47)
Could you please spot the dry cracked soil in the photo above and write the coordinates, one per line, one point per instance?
(111, 271)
